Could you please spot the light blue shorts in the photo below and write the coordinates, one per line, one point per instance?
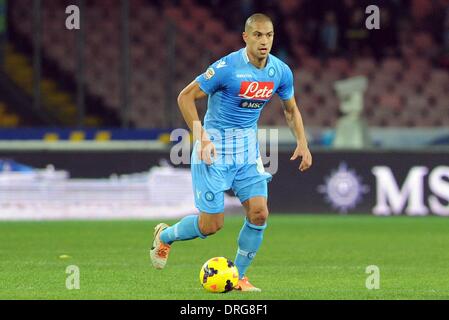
(210, 182)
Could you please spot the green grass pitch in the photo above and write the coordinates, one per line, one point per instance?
(302, 257)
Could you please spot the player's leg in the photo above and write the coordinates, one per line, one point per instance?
(192, 227)
(210, 224)
(251, 234)
(188, 228)
(208, 187)
(251, 187)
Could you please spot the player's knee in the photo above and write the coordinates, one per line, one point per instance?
(210, 228)
(258, 216)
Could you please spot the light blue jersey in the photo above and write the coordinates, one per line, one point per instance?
(238, 91)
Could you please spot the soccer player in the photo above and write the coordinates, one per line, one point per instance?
(226, 154)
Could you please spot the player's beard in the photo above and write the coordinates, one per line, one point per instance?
(257, 54)
(262, 54)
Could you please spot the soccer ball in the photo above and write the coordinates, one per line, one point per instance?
(219, 275)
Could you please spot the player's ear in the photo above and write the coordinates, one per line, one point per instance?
(244, 36)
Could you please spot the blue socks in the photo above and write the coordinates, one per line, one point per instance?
(250, 239)
(186, 229)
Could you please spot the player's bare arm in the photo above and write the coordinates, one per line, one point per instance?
(294, 121)
(186, 103)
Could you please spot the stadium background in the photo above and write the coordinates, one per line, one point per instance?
(117, 78)
(85, 114)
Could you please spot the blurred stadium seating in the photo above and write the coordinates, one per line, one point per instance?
(408, 85)
(7, 119)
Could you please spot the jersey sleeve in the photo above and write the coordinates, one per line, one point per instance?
(286, 89)
(214, 77)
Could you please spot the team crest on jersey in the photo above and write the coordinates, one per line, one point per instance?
(271, 72)
(256, 90)
(209, 73)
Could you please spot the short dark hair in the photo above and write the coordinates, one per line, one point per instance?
(257, 17)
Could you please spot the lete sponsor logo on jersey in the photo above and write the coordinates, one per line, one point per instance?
(256, 90)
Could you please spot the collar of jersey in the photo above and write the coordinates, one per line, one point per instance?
(246, 59)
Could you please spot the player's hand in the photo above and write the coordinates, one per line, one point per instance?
(207, 151)
(303, 152)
